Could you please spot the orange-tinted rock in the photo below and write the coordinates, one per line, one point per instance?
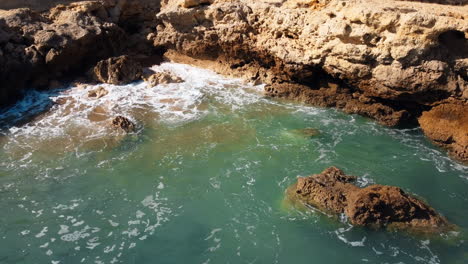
(379, 206)
(447, 126)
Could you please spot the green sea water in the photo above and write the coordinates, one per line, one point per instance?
(203, 179)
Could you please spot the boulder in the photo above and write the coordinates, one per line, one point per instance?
(123, 123)
(98, 92)
(162, 78)
(447, 126)
(117, 70)
(377, 206)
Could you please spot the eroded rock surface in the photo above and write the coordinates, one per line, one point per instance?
(162, 78)
(37, 47)
(447, 126)
(117, 70)
(400, 55)
(378, 206)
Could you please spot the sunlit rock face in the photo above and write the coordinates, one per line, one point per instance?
(404, 54)
(447, 125)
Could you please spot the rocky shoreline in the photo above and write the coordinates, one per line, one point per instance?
(393, 61)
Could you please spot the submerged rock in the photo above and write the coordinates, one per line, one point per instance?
(447, 125)
(98, 92)
(306, 132)
(162, 78)
(117, 70)
(123, 123)
(378, 206)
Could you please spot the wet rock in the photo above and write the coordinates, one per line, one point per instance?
(123, 123)
(447, 126)
(341, 98)
(117, 70)
(378, 206)
(98, 92)
(162, 78)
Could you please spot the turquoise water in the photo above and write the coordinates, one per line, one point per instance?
(203, 179)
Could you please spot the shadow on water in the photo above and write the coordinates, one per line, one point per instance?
(33, 105)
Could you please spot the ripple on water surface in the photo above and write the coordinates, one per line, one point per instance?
(202, 179)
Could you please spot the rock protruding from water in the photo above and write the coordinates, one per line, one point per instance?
(98, 92)
(123, 123)
(162, 78)
(447, 125)
(378, 206)
(117, 70)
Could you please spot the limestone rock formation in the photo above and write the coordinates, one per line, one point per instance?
(123, 123)
(400, 54)
(37, 47)
(377, 206)
(162, 78)
(447, 125)
(117, 70)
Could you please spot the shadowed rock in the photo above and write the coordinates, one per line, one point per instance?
(378, 206)
(117, 70)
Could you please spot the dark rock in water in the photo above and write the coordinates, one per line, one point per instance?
(307, 132)
(98, 92)
(117, 70)
(123, 123)
(447, 125)
(378, 206)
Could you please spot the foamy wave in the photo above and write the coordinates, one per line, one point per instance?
(69, 118)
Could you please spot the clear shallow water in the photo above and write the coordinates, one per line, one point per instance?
(202, 181)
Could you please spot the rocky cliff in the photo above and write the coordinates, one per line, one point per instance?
(388, 60)
(38, 48)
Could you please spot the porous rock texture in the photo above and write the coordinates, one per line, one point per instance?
(388, 60)
(447, 125)
(38, 47)
(376, 206)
